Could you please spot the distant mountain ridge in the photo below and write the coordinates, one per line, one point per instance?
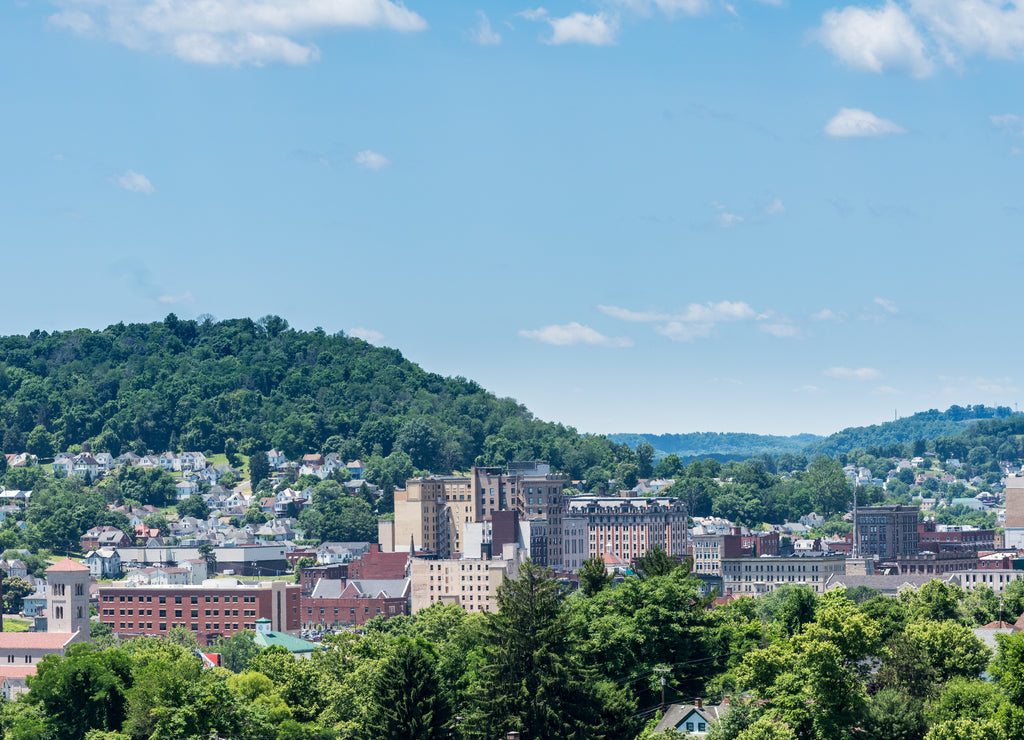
(720, 445)
(927, 425)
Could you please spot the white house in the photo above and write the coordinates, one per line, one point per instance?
(104, 562)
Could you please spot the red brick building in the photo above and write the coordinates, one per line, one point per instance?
(311, 574)
(952, 538)
(353, 603)
(210, 611)
(377, 565)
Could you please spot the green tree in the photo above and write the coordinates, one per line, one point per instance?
(259, 468)
(237, 651)
(530, 680)
(194, 506)
(406, 703)
(655, 562)
(40, 442)
(830, 489)
(645, 459)
(82, 690)
(15, 590)
(593, 576)
(209, 556)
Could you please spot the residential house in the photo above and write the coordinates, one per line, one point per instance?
(691, 719)
(105, 536)
(105, 461)
(63, 463)
(276, 459)
(340, 552)
(356, 468)
(104, 562)
(186, 488)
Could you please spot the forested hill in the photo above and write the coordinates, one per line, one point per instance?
(192, 385)
(721, 446)
(927, 425)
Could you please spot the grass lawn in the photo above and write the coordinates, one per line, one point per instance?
(14, 624)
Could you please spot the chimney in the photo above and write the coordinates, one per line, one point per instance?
(725, 700)
(699, 702)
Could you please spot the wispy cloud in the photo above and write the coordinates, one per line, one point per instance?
(372, 160)
(1008, 122)
(135, 182)
(185, 297)
(670, 8)
(598, 29)
(724, 218)
(887, 305)
(857, 123)
(565, 335)
(781, 330)
(482, 33)
(807, 389)
(827, 314)
(697, 321)
(775, 207)
(229, 32)
(885, 390)
(848, 373)
(877, 40)
(367, 335)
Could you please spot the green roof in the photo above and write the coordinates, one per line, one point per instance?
(282, 639)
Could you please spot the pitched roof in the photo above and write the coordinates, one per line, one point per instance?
(35, 640)
(67, 565)
(282, 639)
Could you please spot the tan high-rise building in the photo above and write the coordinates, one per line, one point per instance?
(432, 512)
(1014, 511)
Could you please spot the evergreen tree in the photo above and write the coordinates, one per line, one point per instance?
(259, 468)
(406, 703)
(593, 576)
(531, 680)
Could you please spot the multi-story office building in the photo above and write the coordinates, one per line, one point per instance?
(216, 608)
(433, 512)
(887, 532)
(575, 547)
(755, 576)
(629, 527)
(469, 582)
(954, 537)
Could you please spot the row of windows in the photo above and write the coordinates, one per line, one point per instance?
(178, 599)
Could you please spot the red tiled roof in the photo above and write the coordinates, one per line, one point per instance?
(35, 640)
(67, 565)
(17, 671)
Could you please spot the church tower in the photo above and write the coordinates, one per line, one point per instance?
(67, 598)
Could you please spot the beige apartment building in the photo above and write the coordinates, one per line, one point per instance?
(432, 512)
(470, 583)
(755, 576)
(629, 527)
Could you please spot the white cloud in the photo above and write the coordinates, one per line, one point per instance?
(847, 373)
(885, 390)
(230, 31)
(670, 8)
(724, 218)
(136, 183)
(372, 160)
(807, 389)
(565, 335)
(483, 34)
(781, 330)
(729, 381)
(853, 122)
(1009, 123)
(775, 207)
(887, 305)
(580, 28)
(878, 40)
(827, 314)
(697, 321)
(991, 27)
(367, 335)
(185, 297)
(535, 14)
(636, 316)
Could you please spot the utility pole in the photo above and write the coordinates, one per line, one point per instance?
(662, 671)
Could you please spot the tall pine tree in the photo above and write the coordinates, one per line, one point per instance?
(406, 702)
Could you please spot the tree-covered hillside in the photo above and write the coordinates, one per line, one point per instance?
(194, 385)
(927, 425)
(721, 446)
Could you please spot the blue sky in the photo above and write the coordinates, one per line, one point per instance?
(630, 215)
